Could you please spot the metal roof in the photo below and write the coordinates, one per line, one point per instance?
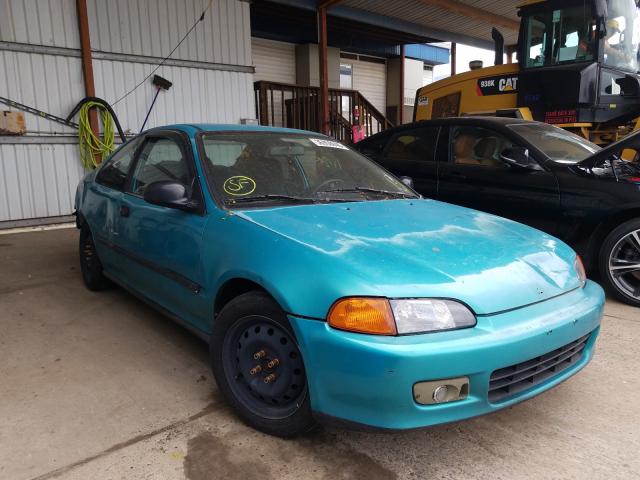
(422, 18)
(440, 21)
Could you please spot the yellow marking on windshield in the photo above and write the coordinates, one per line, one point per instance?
(239, 185)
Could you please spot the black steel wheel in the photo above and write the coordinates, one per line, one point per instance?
(258, 366)
(620, 262)
(90, 264)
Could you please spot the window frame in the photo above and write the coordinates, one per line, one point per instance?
(114, 156)
(182, 140)
(393, 138)
(451, 132)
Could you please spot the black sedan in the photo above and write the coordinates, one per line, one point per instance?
(533, 173)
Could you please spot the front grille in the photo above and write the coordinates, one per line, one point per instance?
(509, 381)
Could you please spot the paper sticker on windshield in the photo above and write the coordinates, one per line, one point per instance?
(321, 142)
(239, 185)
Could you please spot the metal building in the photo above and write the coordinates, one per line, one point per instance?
(245, 60)
(40, 65)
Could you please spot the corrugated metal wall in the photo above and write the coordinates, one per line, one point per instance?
(197, 95)
(274, 61)
(39, 180)
(211, 74)
(370, 79)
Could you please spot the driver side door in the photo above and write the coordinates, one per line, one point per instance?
(164, 245)
(473, 175)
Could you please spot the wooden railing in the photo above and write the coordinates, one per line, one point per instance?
(295, 106)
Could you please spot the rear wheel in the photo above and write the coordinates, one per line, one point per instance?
(90, 264)
(258, 366)
(620, 262)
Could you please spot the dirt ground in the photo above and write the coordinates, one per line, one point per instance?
(100, 386)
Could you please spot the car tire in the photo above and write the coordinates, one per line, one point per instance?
(249, 334)
(90, 265)
(619, 253)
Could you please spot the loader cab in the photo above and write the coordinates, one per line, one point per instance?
(579, 61)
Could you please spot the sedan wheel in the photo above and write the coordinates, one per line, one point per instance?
(258, 366)
(621, 250)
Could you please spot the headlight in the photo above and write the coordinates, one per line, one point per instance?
(379, 316)
(582, 273)
(430, 315)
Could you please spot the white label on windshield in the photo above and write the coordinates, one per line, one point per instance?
(321, 142)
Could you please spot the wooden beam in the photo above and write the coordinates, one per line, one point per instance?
(324, 71)
(328, 3)
(468, 11)
(401, 105)
(87, 62)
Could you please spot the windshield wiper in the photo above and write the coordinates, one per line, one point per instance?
(370, 190)
(269, 196)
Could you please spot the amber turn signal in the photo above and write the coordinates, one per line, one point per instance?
(363, 315)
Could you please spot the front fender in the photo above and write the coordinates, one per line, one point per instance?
(304, 282)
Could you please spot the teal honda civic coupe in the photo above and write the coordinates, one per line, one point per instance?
(327, 289)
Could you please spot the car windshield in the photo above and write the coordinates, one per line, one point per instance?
(557, 144)
(259, 167)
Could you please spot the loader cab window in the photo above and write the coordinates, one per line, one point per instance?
(622, 35)
(560, 36)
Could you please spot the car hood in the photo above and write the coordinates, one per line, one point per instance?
(631, 141)
(425, 248)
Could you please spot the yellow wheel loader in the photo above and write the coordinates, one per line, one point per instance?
(578, 68)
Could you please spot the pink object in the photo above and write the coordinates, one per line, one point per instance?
(357, 133)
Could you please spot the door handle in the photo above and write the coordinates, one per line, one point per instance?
(124, 211)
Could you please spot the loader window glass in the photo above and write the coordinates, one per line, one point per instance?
(536, 41)
(560, 36)
(622, 35)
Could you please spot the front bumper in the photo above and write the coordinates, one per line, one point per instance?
(368, 380)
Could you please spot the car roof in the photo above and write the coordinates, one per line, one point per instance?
(468, 120)
(193, 128)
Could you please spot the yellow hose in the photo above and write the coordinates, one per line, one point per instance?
(92, 146)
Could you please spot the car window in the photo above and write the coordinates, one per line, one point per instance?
(372, 145)
(113, 173)
(414, 145)
(556, 143)
(478, 146)
(277, 164)
(160, 159)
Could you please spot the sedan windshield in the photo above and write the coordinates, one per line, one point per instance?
(557, 144)
(259, 167)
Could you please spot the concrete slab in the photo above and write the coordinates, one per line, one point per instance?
(98, 385)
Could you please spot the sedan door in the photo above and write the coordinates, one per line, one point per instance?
(411, 153)
(474, 175)
(163, 244)
(102, 201)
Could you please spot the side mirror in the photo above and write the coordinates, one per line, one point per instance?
(170, 194)
(408, 181)
(518, 157)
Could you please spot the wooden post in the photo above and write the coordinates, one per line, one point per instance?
(453, 59)
(401, 104)
(87, 63)
(324, 70)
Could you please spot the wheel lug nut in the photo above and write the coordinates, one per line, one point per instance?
(269, 378)
(273, 363)
(255, 370)
(259, 355)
